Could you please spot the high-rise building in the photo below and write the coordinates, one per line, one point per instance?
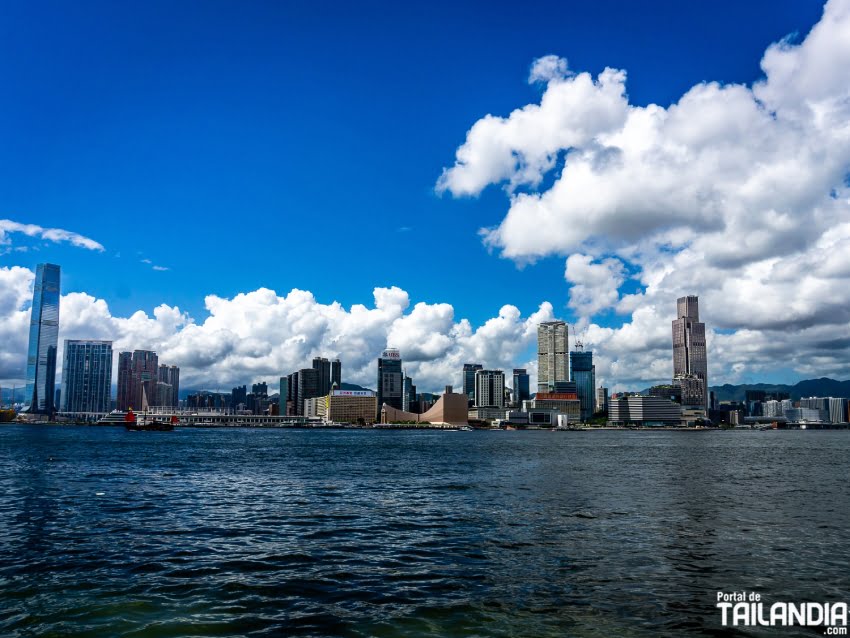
(284, 396)
(837, 410)
(138, 375)
(336, 373)
(308, 386)
(239, 397)
(44, 338)
(409, 395)
(469, 370)
(522, 387)
(260, 389)
(689, 352)
(87, 376)
(323, 367)
(489, 389)
(601, 399)
(169, 375)
(582, 373)
(390, 380)
(552, 339)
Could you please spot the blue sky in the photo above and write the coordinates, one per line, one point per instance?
(267, 144)
(216, 148)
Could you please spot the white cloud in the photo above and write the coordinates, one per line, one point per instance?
(259, 335)
(7, 227)
(737, 193)
(548, 68)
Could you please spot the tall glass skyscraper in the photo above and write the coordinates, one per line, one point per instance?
(583, 374)
(44, 336)
(87, 376)
(522, 390)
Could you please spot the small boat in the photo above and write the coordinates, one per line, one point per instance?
(132, 424)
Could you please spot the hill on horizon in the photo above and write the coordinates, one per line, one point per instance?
(823, 387)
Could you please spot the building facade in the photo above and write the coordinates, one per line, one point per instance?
(644, 411)
(43, 340)
(583, 374)
(138, 374)
(552, 365)
(522, 386)
(170, 375)
(87, 376)
(602, 399)
(689, 348)
(469, 370)
(489, 389)
(390, 380)
(351, 406)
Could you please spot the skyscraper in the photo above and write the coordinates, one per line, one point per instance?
(336, 373)
(284, 396)
(390, 380)
(87, 376)
(552, 338)
(522, 389)
(170, 375)
(138, 375)
(582, 374)
(689, 354)
(489, 389)
(469, 370)
(323, 367)
(44, 337)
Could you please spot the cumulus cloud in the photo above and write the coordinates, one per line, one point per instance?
(739, 194)
(260, 335)
(7, 227)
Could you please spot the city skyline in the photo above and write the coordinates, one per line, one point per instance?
(607, 267)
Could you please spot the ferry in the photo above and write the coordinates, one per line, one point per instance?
(116, 417)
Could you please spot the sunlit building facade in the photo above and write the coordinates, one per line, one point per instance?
(43, 341)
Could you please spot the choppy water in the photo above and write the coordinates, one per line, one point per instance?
(402, 533)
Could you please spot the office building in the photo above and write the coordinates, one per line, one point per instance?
(390, 380)
(522, 388)
(284, 396)
(602, 399)
(43, 340)
(138, 374)
(87, 376)
(691, 390)
(489, 389)
(821, 404)
(566, 403)
(323, 367)
(689, 350)
(552, 366)
(307, 386)
(170, 375)
(838, 410)
(583, 374)
(239, 397)
(644, 411)
(336, 373)
(351, 406)
(409, 394)
(469, 370)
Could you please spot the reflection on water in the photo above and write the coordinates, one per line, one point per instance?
(373, 533)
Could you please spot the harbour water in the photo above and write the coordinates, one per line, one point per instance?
(253, 532)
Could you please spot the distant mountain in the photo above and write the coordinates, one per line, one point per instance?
(822, 387)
